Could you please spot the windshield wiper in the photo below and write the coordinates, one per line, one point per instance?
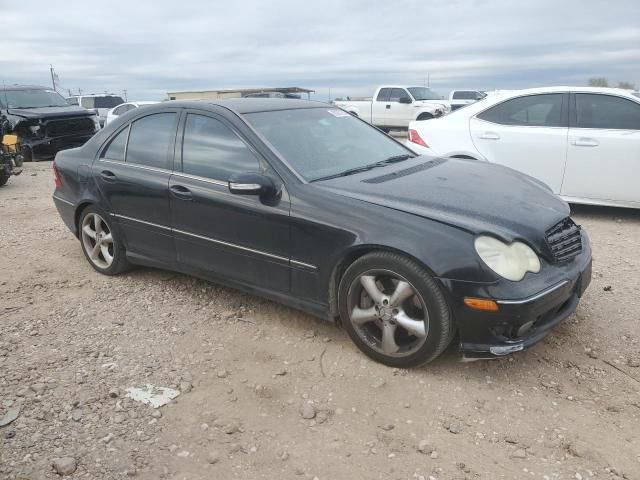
(381, 163)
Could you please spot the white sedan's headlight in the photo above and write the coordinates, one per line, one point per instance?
(509, 261)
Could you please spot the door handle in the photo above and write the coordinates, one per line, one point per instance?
(490, 136)
(180, 192)
(585, 142)
(108, 176)
(388, 107)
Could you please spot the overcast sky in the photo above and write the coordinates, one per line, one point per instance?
(350, 46)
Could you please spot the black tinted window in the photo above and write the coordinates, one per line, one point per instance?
(533, 110)
(150, 139)
(107, 102)
(465, 95)
(383, 95)
(210, 149)
(115, 149)
(606, 111)
(397, 94)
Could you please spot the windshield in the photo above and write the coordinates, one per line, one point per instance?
(321, 142)
(423, 93)
(31, 98)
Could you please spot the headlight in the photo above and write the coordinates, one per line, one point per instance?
(509, 261)
(35, 128)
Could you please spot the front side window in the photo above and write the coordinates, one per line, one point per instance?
(397, 94)
(210, 149)
(532, 111)
(606, 112)
(150, 139)
(320, 142)
(116, 148)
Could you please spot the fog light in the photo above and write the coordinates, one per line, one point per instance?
(483, 304)
(500, 351)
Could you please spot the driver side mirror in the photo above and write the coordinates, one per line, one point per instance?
(405, 100)
(251, 183)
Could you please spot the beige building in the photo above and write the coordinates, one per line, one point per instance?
(291, 92)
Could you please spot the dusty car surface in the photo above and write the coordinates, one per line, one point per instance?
(307, 205)
(43, 121)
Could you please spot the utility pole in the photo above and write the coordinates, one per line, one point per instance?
(329, 95)
(53, 76)
(124, 91)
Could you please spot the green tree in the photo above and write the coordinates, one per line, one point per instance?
(598, 82)
(627, 85)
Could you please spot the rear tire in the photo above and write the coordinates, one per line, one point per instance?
(394, 311)
(100, 244)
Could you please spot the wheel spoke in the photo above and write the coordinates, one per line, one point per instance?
(107, 238)
(105, 254)
(98, 224)
(369, 284)
(362, 315)
(401, 293)
(95, 252)
(87, 229)
(413, 326)
(389, 344)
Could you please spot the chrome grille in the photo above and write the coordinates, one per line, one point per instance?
(564, 240)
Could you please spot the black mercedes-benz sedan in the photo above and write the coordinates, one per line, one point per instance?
(307, 205)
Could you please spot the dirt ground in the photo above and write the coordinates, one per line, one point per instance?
(249, 371)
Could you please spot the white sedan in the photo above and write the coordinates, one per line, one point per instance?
(124, 108)
(583, 142)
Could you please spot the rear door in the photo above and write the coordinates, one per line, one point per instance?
(603, 157)
(218, 233)
(527, 133)
(133, 172)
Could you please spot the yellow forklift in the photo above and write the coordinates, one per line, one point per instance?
(10, 157)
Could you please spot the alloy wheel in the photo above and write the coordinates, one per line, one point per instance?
(388, 313)
(97, 240)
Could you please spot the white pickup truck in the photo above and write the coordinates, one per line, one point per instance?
(397, 106)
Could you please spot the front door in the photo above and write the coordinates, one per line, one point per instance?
(218, 233)
(603, 157)
(133, 175)
(528, 134)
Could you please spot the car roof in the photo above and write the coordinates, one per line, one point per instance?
(94, 95)
(564, 89)
(246, 105)
(23, 87)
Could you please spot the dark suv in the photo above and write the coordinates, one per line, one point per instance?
(43, 120)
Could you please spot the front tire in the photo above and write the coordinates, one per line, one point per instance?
(4, 178)
(394, 311)
(424, 116)
(100, 243)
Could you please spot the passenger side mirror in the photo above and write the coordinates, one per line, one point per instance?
(252, 184)
(405, 100)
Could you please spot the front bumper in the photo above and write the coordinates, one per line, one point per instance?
(47, 147)
(521, 321)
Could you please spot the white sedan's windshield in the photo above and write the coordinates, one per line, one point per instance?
(322, 142)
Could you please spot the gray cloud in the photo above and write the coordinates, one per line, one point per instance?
(150, 48)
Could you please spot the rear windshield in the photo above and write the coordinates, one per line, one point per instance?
(31, 98)
(320, 142)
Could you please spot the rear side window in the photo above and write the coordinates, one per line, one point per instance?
(606, 112)
(115, 150)
(150, 140)
(87, 102)
(383, 95)
(212, 150)
(532, 111)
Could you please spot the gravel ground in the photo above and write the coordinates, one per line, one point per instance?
(269, 392)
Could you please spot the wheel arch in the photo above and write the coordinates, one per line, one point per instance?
(350, 256)
(78, 213)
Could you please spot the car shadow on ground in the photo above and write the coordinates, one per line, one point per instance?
(597, 212)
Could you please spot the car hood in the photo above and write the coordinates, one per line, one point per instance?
(48, 112)
(476, 196)
(430, 103)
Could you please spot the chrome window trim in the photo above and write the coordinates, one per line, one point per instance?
(535, 297)
(202, 179)
(64, 201)
(135, 165)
